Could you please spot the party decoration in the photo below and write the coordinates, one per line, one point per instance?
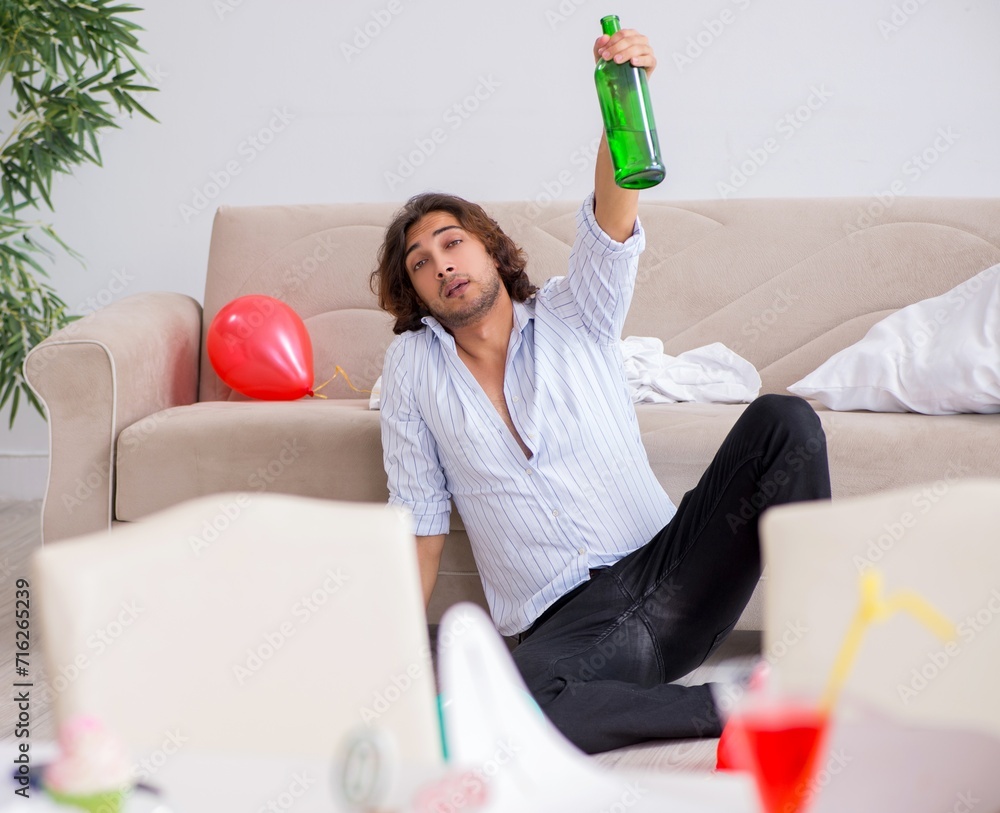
(260, 347)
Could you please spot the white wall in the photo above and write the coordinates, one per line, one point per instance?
(891, 75)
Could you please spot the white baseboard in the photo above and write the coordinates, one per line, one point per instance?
(23, 475)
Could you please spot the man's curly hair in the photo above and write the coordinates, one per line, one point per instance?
(390, 281)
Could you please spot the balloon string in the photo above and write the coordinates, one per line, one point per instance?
(338, 370)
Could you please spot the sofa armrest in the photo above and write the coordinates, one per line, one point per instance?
(97, 376)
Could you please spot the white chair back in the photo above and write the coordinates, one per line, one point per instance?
(265, 623)
(941, 540)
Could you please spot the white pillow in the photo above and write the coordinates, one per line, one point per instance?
(940, 357)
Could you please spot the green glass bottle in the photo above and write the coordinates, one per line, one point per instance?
(628, 119)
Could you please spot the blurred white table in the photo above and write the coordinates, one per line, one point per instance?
(191, 782)
(200, 782)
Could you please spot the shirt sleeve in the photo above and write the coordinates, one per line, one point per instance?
(409, 452)
(596, 292)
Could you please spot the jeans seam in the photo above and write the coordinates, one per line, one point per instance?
(660, 664)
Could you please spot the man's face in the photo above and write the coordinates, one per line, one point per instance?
(451, 270)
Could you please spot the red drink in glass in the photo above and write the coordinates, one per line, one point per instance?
(781, 744)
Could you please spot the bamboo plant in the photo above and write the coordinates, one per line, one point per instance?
(69, 69)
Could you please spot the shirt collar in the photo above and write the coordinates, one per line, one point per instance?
(523, 313)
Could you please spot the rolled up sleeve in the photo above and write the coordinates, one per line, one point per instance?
(597, 290)
(415, 478)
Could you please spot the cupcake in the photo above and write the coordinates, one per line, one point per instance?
(93, 771)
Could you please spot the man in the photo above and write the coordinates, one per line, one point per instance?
(513, 401)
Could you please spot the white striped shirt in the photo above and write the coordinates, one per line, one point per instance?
(587, 496)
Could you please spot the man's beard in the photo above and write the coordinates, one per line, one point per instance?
(475, 310)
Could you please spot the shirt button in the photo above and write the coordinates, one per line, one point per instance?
(516, 399)
(582, 551)
(531, 436)
(528, 471)
(555, 513)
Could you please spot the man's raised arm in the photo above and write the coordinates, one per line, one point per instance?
(615, 208)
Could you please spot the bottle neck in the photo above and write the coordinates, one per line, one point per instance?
(610, 25)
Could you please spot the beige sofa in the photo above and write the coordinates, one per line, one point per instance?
(139, 420)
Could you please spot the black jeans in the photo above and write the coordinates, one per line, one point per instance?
(600, 661)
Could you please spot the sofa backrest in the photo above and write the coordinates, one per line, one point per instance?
(784, 282)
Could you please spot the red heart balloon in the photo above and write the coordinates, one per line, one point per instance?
(260, 347)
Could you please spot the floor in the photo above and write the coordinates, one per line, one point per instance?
(20, 536)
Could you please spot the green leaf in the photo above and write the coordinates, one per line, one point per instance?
(71, 65)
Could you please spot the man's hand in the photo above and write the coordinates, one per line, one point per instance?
(615, 208)
(626, 44)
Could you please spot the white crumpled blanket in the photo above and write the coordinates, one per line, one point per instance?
(709, 374)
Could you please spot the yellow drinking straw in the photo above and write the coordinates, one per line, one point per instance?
(871, 608)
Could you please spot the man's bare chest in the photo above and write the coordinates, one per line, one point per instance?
(490, 379)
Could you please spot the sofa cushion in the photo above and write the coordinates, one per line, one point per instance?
(333, 449)
(314, 448)
(867, 453)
